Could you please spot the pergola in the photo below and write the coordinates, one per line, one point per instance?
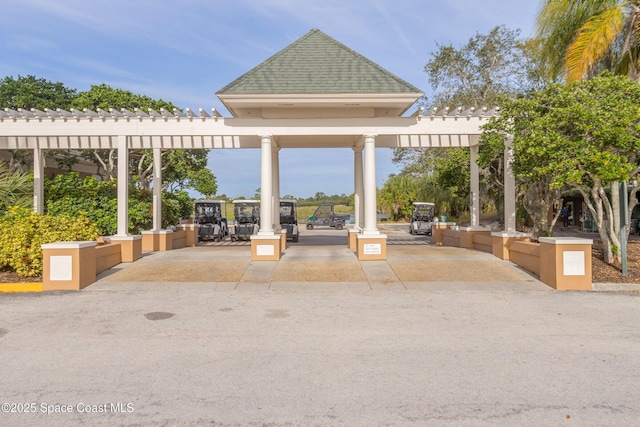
(270, 114)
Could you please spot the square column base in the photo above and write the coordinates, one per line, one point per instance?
(68, 266)
(131, 247)
(565, 263)
(283, 240)
(191, 231)
(500, 242)
(157, 240)
(353, 241)
(436, 231)
(371, 247)
(266, 248)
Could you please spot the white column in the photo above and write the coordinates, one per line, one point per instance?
(509, 189)
(157, 189)
(475, 187)
(276, 188)
(370, 211)
(123, 186)
(358, 198)
(38, 181)
(266, 185)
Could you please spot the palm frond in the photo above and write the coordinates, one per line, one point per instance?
(16, 188)
(593, 41)
(558, 24)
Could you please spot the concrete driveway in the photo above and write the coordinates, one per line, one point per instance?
(320, 339)
(321, 260)
(293, 357)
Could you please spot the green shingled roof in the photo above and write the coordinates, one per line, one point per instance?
(317, 63)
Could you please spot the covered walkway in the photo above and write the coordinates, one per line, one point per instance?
(315, 93)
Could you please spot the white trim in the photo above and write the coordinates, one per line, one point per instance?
(210, 132)
(126, 238)
(565, 241)
(69, 245)
(510, 234)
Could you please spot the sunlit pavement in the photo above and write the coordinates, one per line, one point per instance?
(321, 260)
(312, 356)
(373, 351)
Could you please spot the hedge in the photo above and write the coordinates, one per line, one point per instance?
(24, 231)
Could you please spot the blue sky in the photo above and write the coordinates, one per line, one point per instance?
(184, 51)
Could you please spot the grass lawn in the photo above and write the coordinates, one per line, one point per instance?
(304, 212)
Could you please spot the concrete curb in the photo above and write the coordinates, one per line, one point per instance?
(20, 287)
(616, 287)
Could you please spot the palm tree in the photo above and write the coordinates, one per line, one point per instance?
(16, 188)
(583, 37)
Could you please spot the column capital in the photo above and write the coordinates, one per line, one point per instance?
(358, 148)
(268, 137)
(369, 136)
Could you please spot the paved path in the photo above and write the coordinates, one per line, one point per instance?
(321, 260)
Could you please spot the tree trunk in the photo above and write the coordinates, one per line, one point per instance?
(108, 164)
(615, 205)
(594, 203)
(614, 237)
(144, 174)
(537, 201)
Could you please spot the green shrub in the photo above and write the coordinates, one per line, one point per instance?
(175, 206)
(68, 194)
(71, 195)
(24, 231)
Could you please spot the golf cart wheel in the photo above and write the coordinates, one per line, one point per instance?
(295, 239)
(309, 226)
(339, 226)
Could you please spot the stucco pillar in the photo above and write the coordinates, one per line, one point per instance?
(123, 186)
(370, 212)
(38, 181)
(266, 186)
(358, 188)
(475, 187)
(276, 189)
(509, 189)
(157, 189)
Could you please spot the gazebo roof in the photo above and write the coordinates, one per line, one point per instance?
(317, 73)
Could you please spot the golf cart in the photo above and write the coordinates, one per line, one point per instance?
(247, 219)
(325, 216)
(210, 218)
(288, 220)
(422, 218)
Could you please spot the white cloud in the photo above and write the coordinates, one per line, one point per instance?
(183, 51)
